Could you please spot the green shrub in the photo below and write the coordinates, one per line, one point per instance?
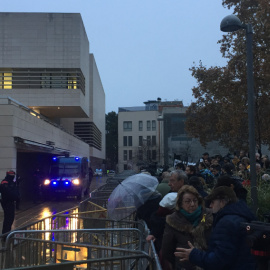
(263, 191)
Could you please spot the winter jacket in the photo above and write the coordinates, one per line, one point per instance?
(148, 208)
(178, 231)
(227, 246)
(9, 190)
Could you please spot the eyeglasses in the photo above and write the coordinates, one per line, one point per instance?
(195, 201)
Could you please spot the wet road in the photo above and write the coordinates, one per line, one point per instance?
(30, 213)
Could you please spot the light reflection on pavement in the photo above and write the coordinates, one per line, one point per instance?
(31, 213)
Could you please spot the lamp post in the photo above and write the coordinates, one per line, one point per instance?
(160, 138)
(232, 23)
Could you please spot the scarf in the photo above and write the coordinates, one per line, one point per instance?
(194, 217)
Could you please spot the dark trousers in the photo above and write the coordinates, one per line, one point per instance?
(9, 215)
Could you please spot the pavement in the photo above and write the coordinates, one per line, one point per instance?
(23, 214)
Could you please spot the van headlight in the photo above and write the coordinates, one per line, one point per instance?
(76, 181)
(47, 182)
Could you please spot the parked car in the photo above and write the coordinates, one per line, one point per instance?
(111, 173)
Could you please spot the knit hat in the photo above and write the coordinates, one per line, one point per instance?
(12, 173)
(222, 192)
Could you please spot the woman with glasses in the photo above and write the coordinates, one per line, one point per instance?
(190, 222)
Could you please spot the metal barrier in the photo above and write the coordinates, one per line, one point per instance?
(85, 236)
(54, 254)
(32, 247)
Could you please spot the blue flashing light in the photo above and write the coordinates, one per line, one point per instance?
(77, 158)
(54, 158)
(66, 182)
(54, 182)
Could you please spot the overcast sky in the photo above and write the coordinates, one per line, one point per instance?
(144, 48)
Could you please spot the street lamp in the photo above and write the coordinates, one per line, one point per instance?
(232, 23)
(160, 138)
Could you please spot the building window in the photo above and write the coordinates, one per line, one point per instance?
(154, 142)
(130, 154)
(154, 154)
(153, 125)
(125, 141)
(129, 140)
(140, 125)
(5, 80)
(90, 133)
(125, 154)
(148, 140)
(127, 126)
(140, 140)
(34, 78)
(125, 166)
(148, 125)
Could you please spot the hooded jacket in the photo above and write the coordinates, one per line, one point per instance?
(227, 246)
(179, 231)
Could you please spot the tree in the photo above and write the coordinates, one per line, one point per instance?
(220, 111)
(112, 139)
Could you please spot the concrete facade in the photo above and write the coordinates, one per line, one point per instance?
(138, 155)
(52, 99)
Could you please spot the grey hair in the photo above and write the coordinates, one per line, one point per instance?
(181, 175)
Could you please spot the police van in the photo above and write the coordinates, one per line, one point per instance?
(68, 176)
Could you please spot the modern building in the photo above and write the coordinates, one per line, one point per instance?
(155, 134)
(52, 101)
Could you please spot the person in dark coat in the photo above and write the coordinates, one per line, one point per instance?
(9, 194)
(234, 183)
(196, 182)
(190, 222)
(145, 211)
(227, 247)
(158, 219)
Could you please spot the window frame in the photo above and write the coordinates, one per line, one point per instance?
(127, 125)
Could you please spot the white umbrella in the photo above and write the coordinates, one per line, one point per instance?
(130, 194)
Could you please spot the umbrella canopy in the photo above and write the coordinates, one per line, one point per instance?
(130, 194)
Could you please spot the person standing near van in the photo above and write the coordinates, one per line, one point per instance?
(9, 194)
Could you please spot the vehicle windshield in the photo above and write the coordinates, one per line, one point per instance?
(61, 170)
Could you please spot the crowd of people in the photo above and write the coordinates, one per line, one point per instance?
(196, 222)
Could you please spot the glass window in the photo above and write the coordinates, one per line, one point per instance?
(148, 140)
(127, 125)
(130, 154)
(72, 81)
(140, 125)
(5, 80)
(140, 140)
(125, 141)
(154, 142)
(125, 154)
(153, 125)
(129, 140)
(148, 125)
(154, 154)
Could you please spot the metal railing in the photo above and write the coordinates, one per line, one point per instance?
(81, 238)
